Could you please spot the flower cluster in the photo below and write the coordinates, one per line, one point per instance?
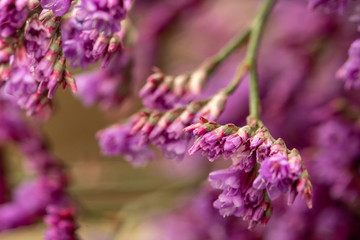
(13, 14)
(350, 71)
(163, 92)
(163, 129)
(33, 67)
(49, 185)
(336, 168)
(59, 8)
(262, 169)
(35, 43)
(94, 31)
(109, 86)
(60, 220)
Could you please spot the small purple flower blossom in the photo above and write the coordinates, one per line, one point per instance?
(212, 143)
(24, 210)
(163, 92)
(37, 39)
(238, 198)
(275, 168)
(274, 175)
(59, 7)
(84, 47)
(350, 70)
(118, 140)
(21, 83)
(13, 14)
(61, 223)
(100, 87)
(103, 15)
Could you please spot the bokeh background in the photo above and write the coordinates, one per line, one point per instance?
(299, 57)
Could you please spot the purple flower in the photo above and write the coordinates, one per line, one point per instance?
(13, 14)
(21, 83)
(275, 168)
(212, 143)
(59, 7)
(254, 197)
(232, 182)
(238, 198)
(61, 224)
(174, 141)
(335, 167)
(275, 176)
(84, 47)
(24, 210)
(232, 142)
(99, 87)
(163, 92)
(108, 87)
(74, 51)
(350, 73)
(118, 140)
(37, 39)
(103, 15)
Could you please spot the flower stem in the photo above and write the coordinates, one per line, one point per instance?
(251, 57)
(249, 64)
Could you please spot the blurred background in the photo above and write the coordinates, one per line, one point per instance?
(299, 57)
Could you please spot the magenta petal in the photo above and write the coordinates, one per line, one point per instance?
(59, 7)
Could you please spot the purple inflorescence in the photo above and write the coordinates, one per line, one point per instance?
(33, 67)
(119, 140)
(163, 129)
(164, 92)
(13, 14)
(350, 70)
(107, 87)
(31, 198)
(61, 223)
(262, 169)
(58, 7)
(94, 31)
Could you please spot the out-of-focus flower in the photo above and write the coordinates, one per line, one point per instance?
(58, 7)
(163, 92)
(103, 15)
(350, 71)
(108, 86)
(13, 14)
(336, 168)
(163, 129)
(329, 5)
(118, 140)
(49, 185)
(61, 224)
(94, 31)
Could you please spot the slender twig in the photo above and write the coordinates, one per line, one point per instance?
(249, 63)
(251, 57)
